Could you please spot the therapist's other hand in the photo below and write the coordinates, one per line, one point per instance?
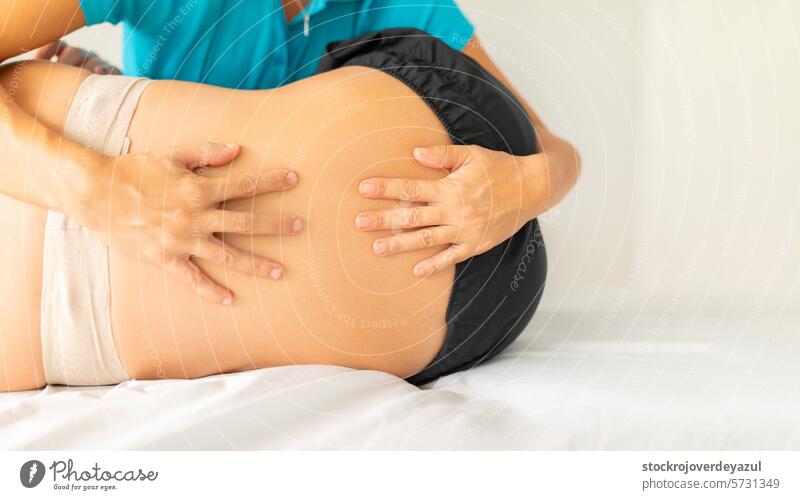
(480, 204)
(161, 207)
(64, 53)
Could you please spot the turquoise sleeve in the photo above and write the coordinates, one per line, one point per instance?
(440, 18)
(143, 15)
(100, 11)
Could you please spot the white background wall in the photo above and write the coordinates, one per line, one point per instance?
(685, 115)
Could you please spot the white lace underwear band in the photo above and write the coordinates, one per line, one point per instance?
(77, 342)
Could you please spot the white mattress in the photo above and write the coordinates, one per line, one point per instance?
(572, 381)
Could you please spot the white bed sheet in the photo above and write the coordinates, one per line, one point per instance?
(572, 381)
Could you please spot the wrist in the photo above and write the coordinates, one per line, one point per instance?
(538, 184)
(551, 175)
(80, 182)
(57, 173)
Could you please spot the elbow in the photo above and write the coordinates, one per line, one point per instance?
(577, 162)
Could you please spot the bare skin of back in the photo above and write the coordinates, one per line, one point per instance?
(338, 302)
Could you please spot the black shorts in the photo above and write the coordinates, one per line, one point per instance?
(494, 294)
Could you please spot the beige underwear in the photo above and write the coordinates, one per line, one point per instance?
(77, 343)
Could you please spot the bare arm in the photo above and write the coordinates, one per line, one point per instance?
(563, 164)
(491, 193)
(50, 163)
(33, 23)
(38, 166)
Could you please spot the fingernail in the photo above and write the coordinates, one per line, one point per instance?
(275, 273)
(420, 153)
(421, 270)
(227, 300)
(291, 178)
(379, 247)
(263, 270)
(297, 225)
(231, 145)
(362, 221)
(366, 188)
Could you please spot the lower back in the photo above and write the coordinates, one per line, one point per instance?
(338, 302)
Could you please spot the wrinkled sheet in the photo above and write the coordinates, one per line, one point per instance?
(571, 381)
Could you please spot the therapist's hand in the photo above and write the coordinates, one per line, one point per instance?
(161, 207)
(483, 201)
(64, 53)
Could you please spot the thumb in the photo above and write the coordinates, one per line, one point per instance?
(205, 154)
(446, 156)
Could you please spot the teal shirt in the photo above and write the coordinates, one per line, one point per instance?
(248, 44)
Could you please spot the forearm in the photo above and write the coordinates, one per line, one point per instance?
(37, 165)
(549, 175)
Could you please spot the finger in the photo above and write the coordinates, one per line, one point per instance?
(192, 276)
(226, 221)
(415, 240)
(232, 258)
(47, 52)
(247, 184)
(102, 69)
(445, 156)
(400, 189)
(448, 257)
(205, 154)
(400, 218)
(72, 56)
(106, 69)
(97, 66)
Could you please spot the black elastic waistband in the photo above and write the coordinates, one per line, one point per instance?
(468, 99)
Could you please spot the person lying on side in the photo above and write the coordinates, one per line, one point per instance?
(78, 312)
